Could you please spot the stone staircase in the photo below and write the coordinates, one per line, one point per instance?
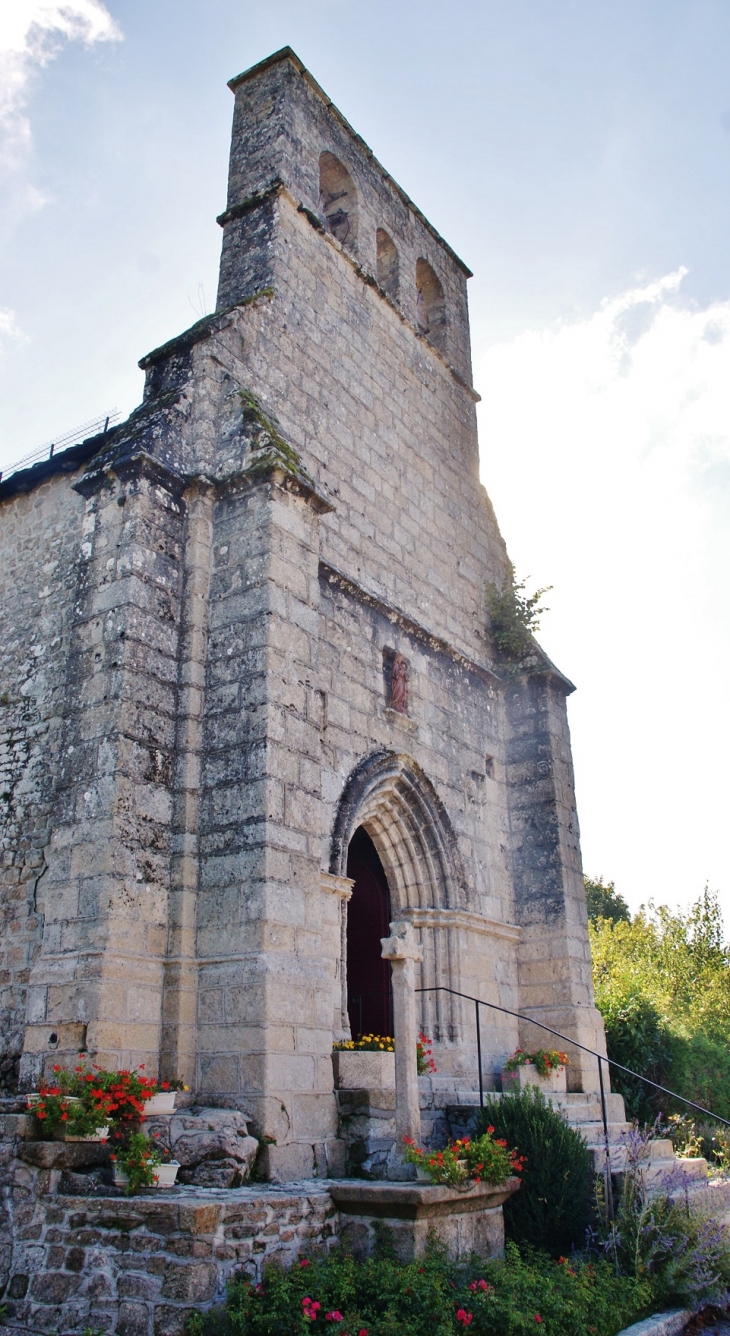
(449, 1108)
(447, 1111)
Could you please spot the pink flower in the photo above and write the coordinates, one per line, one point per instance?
(538, 1318)
(334, 1316)
(463, 1317)
(304, 1262)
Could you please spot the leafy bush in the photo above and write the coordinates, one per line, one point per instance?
(430, 1297)
(551, 1209)
(637, 1038)
(514, 617)
(662, 984)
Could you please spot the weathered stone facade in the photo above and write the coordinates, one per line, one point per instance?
(201, 614)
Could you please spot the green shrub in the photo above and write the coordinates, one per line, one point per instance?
(637, 1038)
(662, 984)
(552, 1208)
(430, 1297)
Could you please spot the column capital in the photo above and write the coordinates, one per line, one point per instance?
(402, 944)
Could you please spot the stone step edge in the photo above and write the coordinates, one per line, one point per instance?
(671, 1323)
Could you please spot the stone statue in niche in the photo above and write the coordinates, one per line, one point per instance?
(399, 684)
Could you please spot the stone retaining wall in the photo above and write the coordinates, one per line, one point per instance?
(75, 1253)
(141, 1266)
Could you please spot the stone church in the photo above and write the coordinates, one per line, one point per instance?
(250, 707)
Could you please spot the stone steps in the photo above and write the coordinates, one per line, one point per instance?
(584, 1113)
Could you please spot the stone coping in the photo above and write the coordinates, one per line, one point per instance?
(412, 1201)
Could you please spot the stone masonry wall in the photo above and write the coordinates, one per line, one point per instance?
(139, 1266)
(39, 543)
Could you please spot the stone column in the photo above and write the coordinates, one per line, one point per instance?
(404, 953)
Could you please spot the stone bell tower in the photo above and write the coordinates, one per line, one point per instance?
(258, 697)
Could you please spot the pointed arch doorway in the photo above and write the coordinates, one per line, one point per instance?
(369, 1004)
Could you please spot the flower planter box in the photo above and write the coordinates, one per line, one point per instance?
(165, 1175)
(162, 1102)
(464, 1221)
(101, 1134)
(363, 1071)
(526, 1075)
(33, 1098)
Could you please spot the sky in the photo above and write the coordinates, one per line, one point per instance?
(577, 156)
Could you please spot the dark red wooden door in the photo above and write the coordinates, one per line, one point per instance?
(368, 919)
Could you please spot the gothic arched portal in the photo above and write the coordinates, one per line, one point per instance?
(393, 836)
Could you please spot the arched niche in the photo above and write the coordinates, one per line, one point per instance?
(430, 305)
(388, 268)
(338, 200)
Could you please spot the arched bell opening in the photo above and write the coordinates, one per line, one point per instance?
(369, 1003)
(338, 200)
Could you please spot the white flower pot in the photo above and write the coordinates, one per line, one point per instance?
(526, 1075)
(34, 1097)
(162, 1102)
(165, 1174)
(364, 1071)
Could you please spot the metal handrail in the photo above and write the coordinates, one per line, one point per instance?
(478, 1002)
(602, 1057)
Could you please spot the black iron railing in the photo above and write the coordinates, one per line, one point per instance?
(611, 1062)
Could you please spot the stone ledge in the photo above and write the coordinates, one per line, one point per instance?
(64, 1154)
(417, 1201)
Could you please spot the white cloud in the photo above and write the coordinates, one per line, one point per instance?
(9, 328)
(31, 34)
(606, 449)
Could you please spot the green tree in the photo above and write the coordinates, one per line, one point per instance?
(662, 983)
(604, 901)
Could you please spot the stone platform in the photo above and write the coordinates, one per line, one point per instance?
(465, 1221)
